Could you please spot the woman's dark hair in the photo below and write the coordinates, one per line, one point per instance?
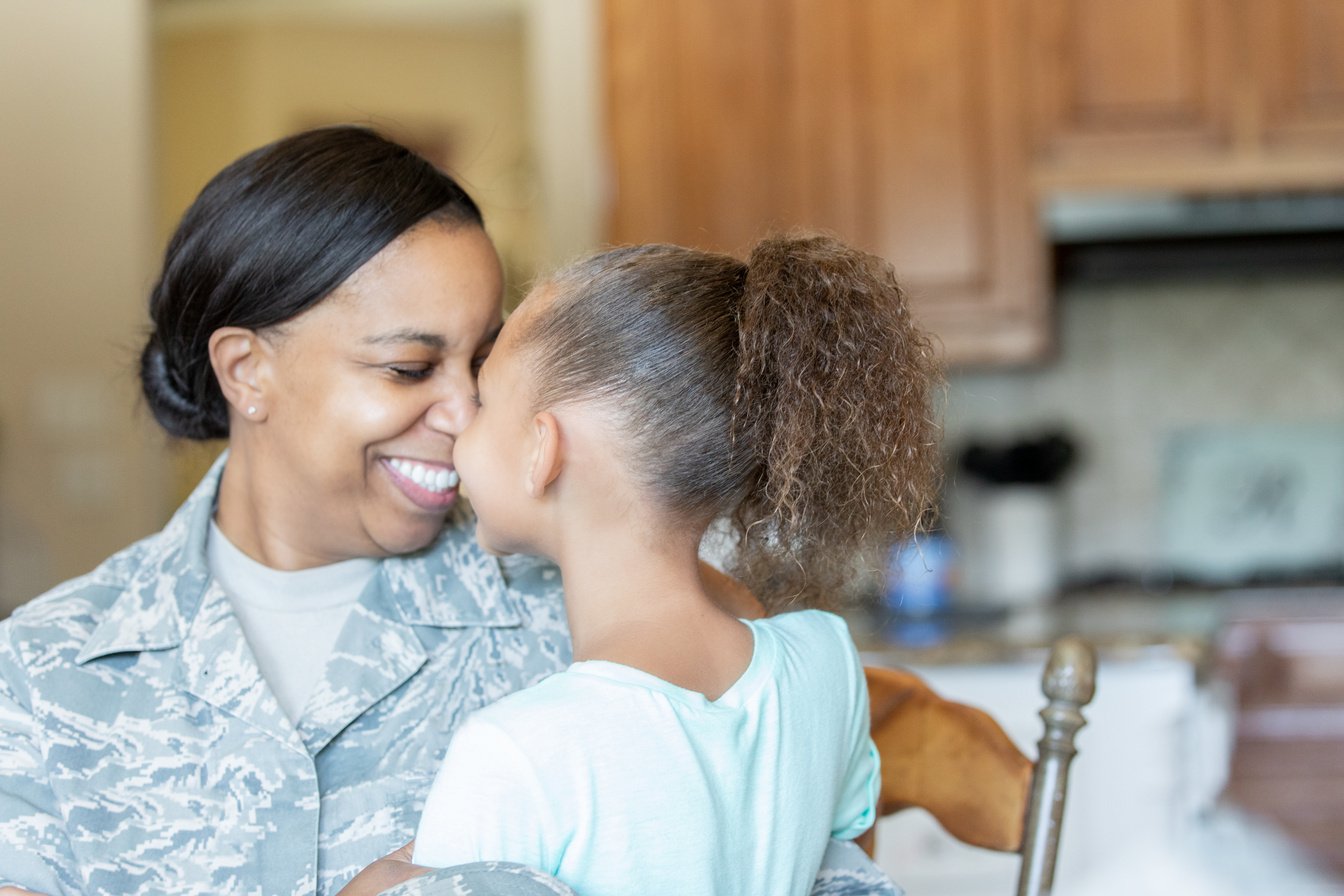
(269, 236)
(792, 395)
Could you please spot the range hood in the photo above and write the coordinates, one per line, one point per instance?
(1102, 237)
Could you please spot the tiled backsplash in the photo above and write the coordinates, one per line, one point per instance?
(1140, 361)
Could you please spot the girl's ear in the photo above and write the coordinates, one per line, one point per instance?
(546, 460)
(240, 361)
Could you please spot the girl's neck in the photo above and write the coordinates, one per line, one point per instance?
(636, 598)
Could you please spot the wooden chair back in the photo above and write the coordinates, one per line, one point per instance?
(956, 763)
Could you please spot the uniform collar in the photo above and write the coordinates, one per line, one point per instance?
(452, 583)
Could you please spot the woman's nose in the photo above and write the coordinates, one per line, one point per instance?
(451, 411)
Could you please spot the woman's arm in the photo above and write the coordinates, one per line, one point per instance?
(384, 874)
(35, 853)
(394, 875)
(847, 871)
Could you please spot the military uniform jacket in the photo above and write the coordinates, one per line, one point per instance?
(141, 752)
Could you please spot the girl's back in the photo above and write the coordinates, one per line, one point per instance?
(642, 787)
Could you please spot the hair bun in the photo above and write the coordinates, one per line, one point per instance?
(169, 399)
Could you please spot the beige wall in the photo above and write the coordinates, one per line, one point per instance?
(225, 89)
(77, 459)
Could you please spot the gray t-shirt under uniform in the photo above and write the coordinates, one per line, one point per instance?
(290, 618)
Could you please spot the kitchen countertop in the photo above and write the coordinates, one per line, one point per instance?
(1122, 623)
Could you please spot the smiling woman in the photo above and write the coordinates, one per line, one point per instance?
(273, 677)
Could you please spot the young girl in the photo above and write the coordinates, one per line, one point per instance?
(632, 400)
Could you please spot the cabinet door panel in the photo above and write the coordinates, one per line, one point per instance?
(926, 143)
(826, 119)
(1140, 78)
(947, 185)
(693, 131)
(893, 123)
(1298, 48)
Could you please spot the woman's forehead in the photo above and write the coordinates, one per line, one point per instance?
(431, 283)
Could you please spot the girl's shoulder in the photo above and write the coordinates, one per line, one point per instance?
(809, 626)
(813, 651)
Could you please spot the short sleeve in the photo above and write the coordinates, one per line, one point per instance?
(35, 852)
(856, 808)
(486, 804)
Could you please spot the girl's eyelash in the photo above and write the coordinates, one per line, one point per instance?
(476, 399)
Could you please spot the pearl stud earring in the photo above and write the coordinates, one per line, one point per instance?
(251, 409)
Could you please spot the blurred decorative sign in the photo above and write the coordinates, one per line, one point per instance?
(1241, 502)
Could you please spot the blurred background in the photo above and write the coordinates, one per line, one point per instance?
(1124, 222)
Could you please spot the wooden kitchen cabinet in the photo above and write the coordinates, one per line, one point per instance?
(1122, 80)
(1297, 54)
(896, 124)
(1186, 94)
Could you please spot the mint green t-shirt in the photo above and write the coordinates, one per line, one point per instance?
(622, 784)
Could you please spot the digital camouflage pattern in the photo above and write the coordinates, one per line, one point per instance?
(141, 752)
(846, 871)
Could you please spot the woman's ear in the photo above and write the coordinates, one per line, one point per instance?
(546, 459)
(239, 360)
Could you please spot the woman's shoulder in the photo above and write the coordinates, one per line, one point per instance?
(62, 618)
(456, 553)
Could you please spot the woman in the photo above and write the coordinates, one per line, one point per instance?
(256, 698)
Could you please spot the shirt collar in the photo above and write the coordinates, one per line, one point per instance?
(450, 583)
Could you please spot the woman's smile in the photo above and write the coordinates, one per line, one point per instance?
(431, 486)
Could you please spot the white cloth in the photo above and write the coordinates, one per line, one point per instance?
(272, 605)
(618, 782)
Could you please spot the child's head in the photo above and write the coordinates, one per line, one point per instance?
(791, 395)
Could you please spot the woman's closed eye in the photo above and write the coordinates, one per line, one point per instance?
(479, 361)
(410, 373)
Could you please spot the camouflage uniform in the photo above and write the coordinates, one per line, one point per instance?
(141, 752)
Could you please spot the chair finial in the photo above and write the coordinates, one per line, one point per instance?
(1071, 674)
(1069, 683)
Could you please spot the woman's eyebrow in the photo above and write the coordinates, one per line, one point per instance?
(420, 337)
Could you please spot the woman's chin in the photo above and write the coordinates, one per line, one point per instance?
(409, 538)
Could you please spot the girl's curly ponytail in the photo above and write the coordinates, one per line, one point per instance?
(834, 392)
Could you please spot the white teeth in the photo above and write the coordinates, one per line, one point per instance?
(434, 479)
